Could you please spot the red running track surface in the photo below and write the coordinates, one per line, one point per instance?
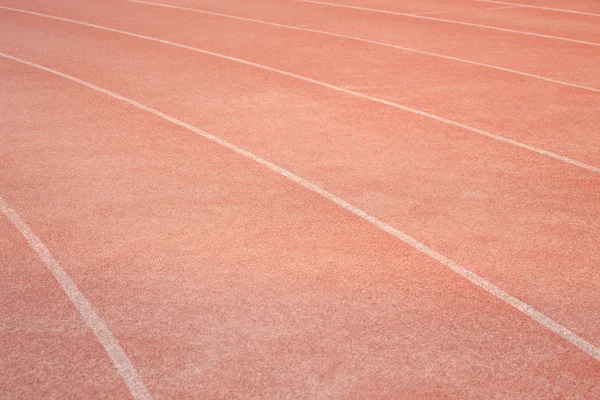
(221, 278)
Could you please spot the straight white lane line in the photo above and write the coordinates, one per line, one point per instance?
(116, 353)
(540, 8)
(429, 12)
(526, 309)
(452, 21)
(333, 87)
(503, 7)
(408, 49)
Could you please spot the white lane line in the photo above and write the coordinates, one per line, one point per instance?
(503, 7)
(452, 21)
(333, 87)
(408, 49)
(526, 309)
(116, 353)
(540, 8)
(429, 12)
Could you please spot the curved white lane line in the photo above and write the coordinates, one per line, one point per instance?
(393, 46)
(451, 21)
(114, 350)
(525, 308)
(329, 86)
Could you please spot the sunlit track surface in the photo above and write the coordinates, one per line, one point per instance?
(321, 243)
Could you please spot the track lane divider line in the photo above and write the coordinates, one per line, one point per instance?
(86, 310)
(472, 277)
(429, 12)
(451, 21)
(504, 7)
(330, 86)
(377, 43)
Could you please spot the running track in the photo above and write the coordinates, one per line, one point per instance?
(287, 199)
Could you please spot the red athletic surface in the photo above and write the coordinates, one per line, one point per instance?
(222, 279)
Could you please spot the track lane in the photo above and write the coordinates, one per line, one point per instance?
(539, 127)
(482, 224)
(542, 114)
(224, 279)
(372, 42)
(501, 49)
